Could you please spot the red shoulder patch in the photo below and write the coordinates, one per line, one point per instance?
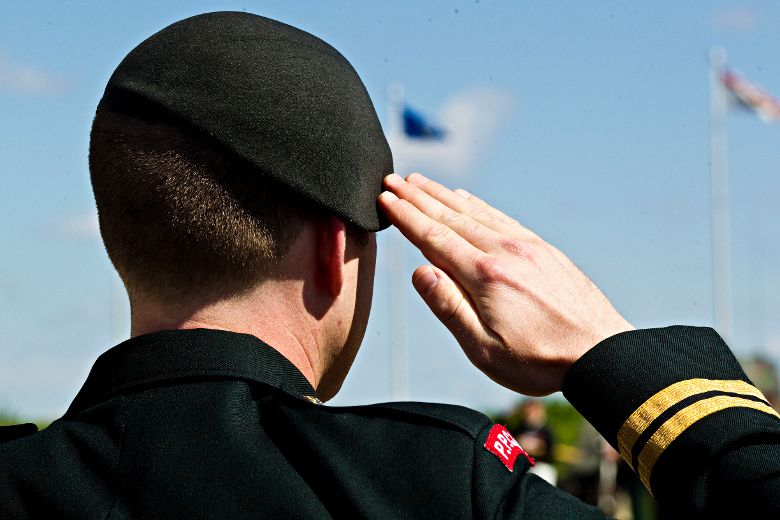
(503, 445)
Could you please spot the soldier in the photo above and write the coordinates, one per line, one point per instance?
(237, 163)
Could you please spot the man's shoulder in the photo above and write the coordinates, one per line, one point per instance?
(465, 419)
(13, 432)
(434, 416)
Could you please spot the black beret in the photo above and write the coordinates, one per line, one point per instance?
(277, 97)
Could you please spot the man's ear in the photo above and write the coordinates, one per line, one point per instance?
(331, 251)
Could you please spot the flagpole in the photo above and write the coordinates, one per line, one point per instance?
(399, 355)
(719, 184)
(116, 319)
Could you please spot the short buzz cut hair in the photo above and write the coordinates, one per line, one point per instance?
(180, 217)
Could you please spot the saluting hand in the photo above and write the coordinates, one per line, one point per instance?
(519, 308)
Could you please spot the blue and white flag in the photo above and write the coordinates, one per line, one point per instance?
(417, 126)
(447, 143)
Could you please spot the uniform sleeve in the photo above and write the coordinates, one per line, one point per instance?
(501, 493)
(678, 407)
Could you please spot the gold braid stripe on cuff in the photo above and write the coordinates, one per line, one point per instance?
(643, 416)
(682, 420)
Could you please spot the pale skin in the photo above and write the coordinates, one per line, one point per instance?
(313, 309)
(522, 312)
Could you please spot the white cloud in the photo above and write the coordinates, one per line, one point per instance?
(78, 225)
(734, 18)
(27, 79)
(471, 120)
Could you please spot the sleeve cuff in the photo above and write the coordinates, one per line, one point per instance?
(645, 389)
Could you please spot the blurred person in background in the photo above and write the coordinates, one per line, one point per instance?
(536, 438)
(764, 374)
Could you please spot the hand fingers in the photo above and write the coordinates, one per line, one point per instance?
(464, 202)
(478, 205)
(438, 243)
(451, 305)
(477, 234)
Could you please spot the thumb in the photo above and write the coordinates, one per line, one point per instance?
(450, 304)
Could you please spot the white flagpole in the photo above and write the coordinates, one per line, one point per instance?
(397, 286)
(719, 183)
(119, 326)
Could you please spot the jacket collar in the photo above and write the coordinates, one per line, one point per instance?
(163, 357)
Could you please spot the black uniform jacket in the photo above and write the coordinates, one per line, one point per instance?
(212, 424)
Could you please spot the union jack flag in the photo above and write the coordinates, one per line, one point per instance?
(751, 96)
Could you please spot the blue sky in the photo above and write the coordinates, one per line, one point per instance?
(599, 144)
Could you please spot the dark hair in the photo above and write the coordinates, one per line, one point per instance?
(179, 216)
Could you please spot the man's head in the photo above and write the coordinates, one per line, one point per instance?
(284, 101)
(235, 157)
(183, 219)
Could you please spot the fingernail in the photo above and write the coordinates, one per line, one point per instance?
(417, 178)
(425, 282)
(393, 179)
(388, 196)
(463, 193)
